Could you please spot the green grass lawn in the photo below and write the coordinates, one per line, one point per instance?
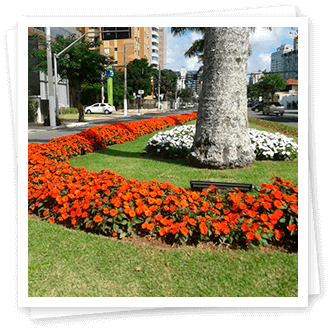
(130, 160)
(67, 263)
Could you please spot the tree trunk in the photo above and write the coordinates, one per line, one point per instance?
(76, 96)
(222, 139)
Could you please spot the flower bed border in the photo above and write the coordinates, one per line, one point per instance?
(109, 204)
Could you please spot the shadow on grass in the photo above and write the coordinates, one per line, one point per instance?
(138, 155)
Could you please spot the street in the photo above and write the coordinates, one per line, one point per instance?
(290, 117)
(37, 133)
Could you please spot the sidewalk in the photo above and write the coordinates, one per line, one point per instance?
(99, 120)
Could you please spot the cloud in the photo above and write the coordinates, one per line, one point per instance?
(264, 42)
(176, 47)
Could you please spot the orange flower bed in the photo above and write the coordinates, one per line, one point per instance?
(109, 204)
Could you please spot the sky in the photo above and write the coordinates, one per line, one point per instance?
(263, 43)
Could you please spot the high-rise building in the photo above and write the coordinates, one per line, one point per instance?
(162, 47)
(114, 42)
(285, 61)
(151, 43)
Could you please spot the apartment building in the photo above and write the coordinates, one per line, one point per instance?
(141, 42)
(285, 61)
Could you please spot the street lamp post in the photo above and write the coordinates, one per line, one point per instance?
(125, 77)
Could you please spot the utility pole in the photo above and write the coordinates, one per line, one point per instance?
(125, 78)
(52, 116)
(159, 83)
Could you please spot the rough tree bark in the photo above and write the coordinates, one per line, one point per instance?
(222, 139)
(76, 96)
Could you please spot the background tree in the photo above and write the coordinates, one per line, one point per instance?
(254, 91)
(139, 74)
(167, 82)
(271, 83)
(185, 94)
(79, 64)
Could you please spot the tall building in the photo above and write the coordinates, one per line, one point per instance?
(189, 79)
(285, 61)
(255, 77)
(114, 42)
(151, 43)
(162, 47)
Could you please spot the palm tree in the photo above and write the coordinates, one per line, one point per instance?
(222, 138)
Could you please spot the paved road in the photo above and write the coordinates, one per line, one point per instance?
(37, 133)
(290, 117)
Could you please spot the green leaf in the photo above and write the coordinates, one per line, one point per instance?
(263, 241)
(137, 220)
(115, 228)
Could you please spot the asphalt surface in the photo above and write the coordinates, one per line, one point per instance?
(38, 133)
(290, 117)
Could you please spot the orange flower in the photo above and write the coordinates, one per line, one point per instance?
(242, 206)
(292, 227)
(205, 206)
(251, 213)
(249, 235)
(161, 232)
(245, 227)
(98, 218)
(203, 229)
(51, 220)
(267, 205)
(277, 203)
(192, 221)
(132, 213)
(278, 233)
(150, 226)
(113, 212)
(257, 236)
(45, 213)
(294, 208)
(147, 212)
(249, 199)
(105, 210)
(277, 194)
(264, 217)
(184, 230)
(153, 194)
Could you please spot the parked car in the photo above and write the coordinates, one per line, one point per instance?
(100, 108)
(258, 106)
(273, 108)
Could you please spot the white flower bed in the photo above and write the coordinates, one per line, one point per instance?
(178, 141)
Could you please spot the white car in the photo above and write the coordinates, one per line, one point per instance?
(100, 108)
